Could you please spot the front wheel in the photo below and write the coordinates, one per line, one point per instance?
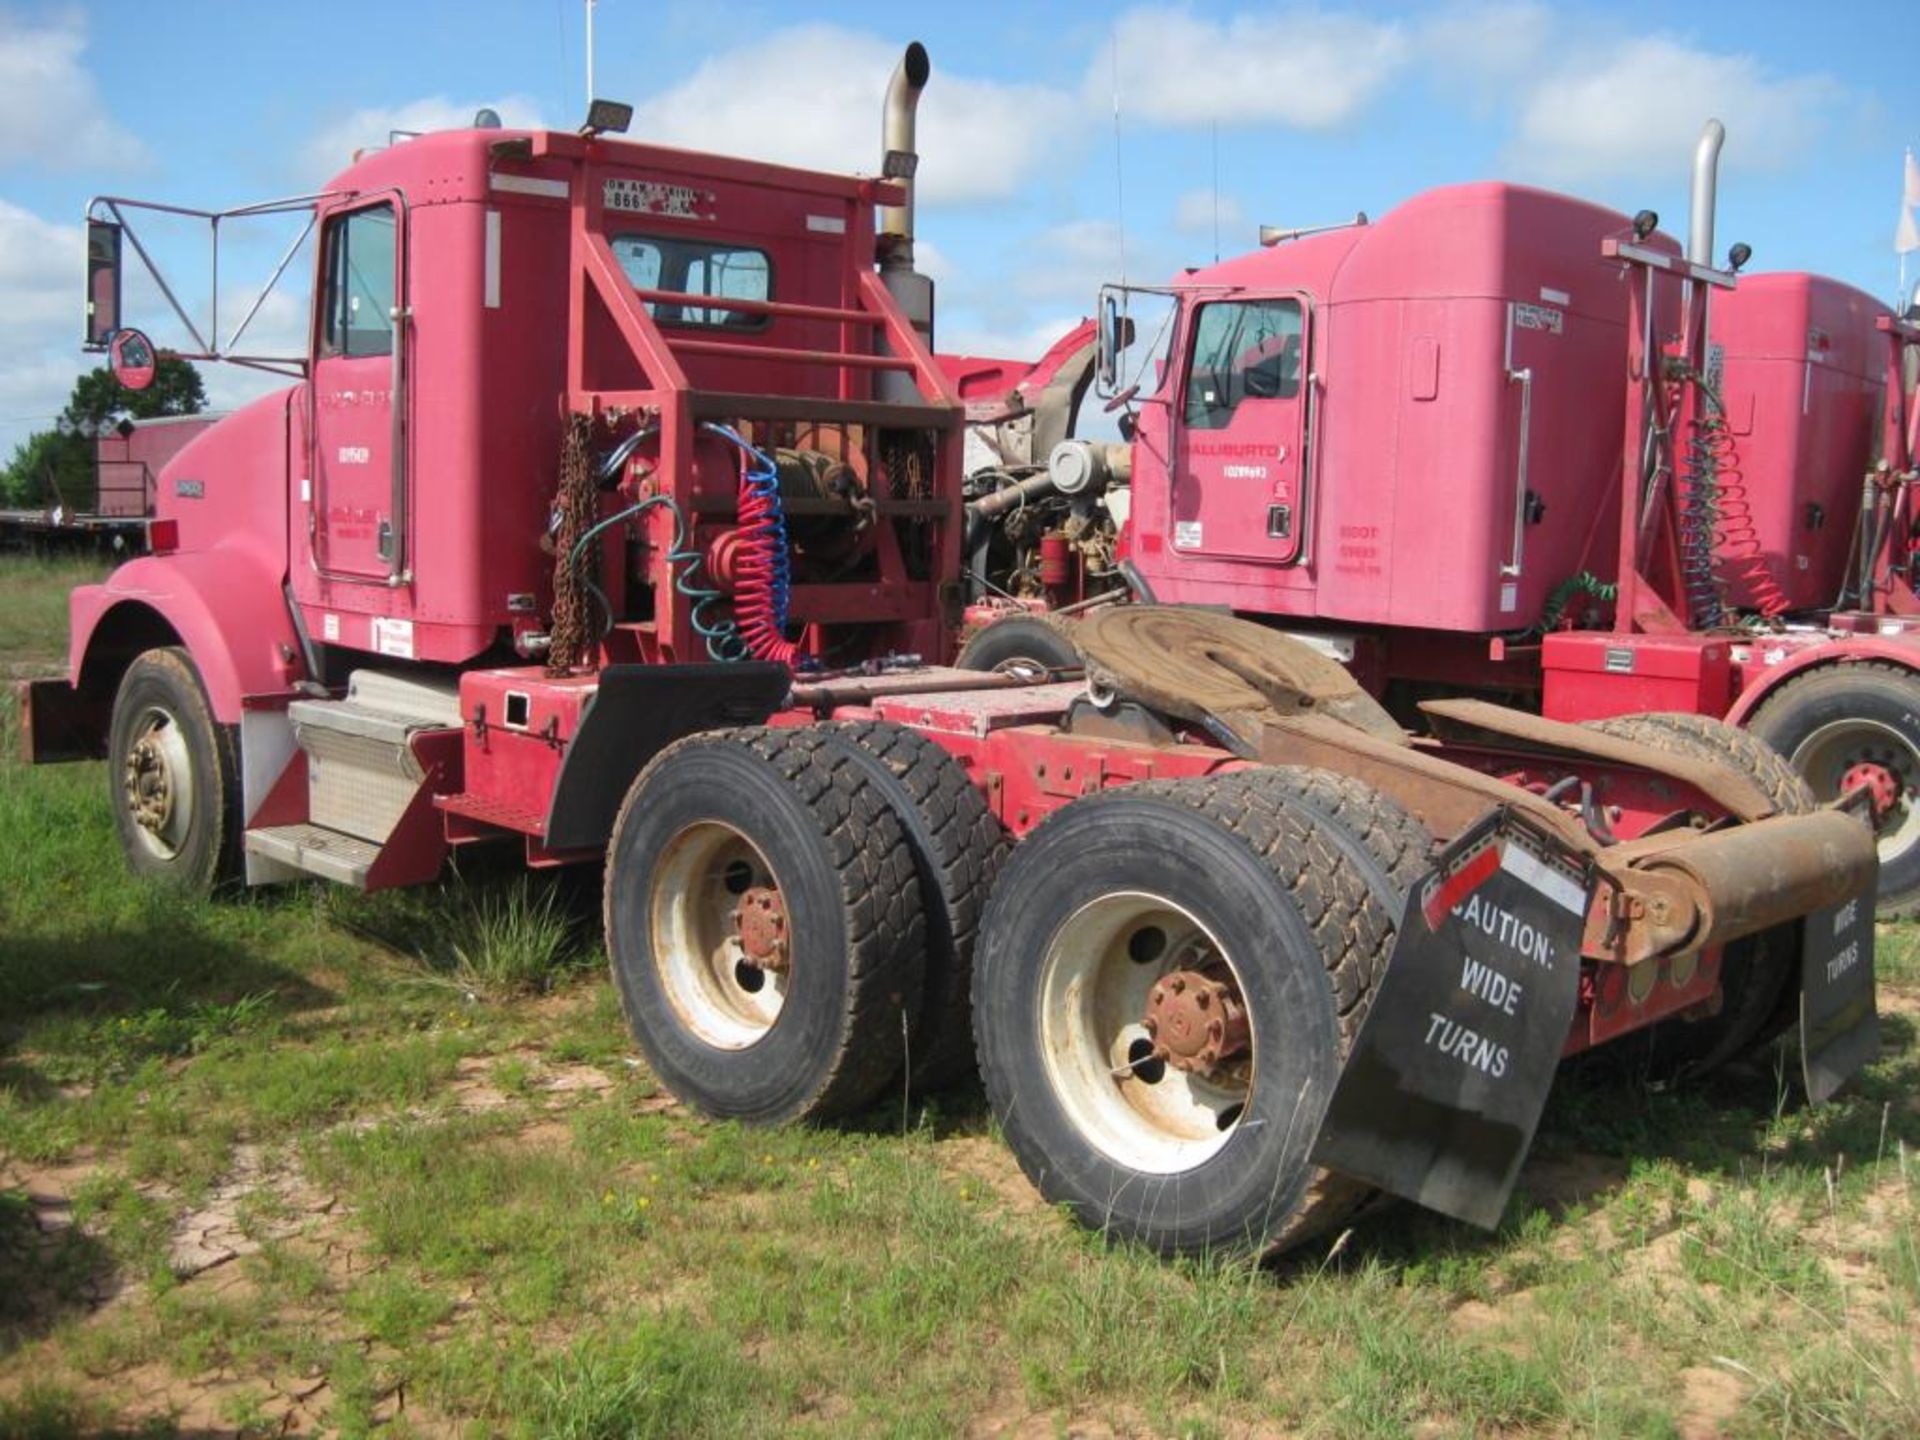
(1168, 979)
(174, 776)
(1859, 726)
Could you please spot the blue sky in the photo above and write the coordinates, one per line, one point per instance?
(1307, 113)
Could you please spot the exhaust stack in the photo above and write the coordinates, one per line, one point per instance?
(1706, 185)
(900, 158)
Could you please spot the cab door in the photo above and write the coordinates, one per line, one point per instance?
(1240, 474)
(357, 519)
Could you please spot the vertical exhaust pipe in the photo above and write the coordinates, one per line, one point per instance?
(900, 158)
(1706, 186)
(899, 153)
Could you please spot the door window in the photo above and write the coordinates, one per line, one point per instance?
(358, 319)
(1242, 350)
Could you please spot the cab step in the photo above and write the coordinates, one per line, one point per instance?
(315, 850)
(362, 776)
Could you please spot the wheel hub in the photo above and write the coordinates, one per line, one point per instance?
(149, 785)
(760, 918)
(1881, 783)
(1196, 1021)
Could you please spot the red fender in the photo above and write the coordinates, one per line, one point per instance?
(1901, 650)
(228, 610)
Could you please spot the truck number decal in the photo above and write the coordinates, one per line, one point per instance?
(656, 197)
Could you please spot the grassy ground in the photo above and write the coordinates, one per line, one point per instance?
(309, 1161)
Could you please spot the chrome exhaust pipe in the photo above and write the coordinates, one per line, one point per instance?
(899, 156)
(1706, 186)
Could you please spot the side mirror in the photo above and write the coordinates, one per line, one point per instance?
(1115, 335)
(103, 283)
(131, 358)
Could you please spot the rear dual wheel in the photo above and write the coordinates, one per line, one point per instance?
(764, 924)
(1168, 980)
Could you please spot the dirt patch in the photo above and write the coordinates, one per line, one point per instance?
(980, 1160)
(1709, 1399)
(1565, 1181)
(250, 1207)
(475, 1088)
(472, 1090)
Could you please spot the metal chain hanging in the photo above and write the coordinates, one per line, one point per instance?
(574, 509)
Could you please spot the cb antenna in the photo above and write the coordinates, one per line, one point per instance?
(1119, 164)
(590, 5)
(1216, 189)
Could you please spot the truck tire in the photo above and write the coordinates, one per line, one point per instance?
(1758, 973)
(1831, 721)
(1024, 644)
(1388, 846)
(1703, 737)
(174, 772)
(958, 847)
(763, 925)
(1117, 893)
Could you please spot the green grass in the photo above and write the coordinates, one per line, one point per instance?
(444, 1227)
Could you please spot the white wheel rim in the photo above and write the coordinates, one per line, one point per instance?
(697, 951)
(1093, 997)
(157, 783)
(1835, 748)
(1023, 666)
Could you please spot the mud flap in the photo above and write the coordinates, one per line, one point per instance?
(1444, 1087)
(637, 712)
(1839, 1021)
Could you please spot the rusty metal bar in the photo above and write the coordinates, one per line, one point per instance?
(786, 308)
(1753, 877)
(738, 350)
(1731, 790)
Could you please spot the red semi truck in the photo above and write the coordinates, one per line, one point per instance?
(1500, 442)
(616, 514)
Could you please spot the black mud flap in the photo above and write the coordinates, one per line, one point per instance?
(1839, 1022)
(1440, 1096)
(637, 712)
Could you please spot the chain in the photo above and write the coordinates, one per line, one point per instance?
(574, 507)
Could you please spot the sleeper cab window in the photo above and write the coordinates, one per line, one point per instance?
(358, 318)
(696, 267)
(1242, 350)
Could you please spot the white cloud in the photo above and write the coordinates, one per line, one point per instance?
(1197, 212)
(1068, 263)
(1638, 110)
(40, 296)
(1018, 343)
(39, 271)
(52, 114)
(1592, 104)
(1301, 68)
(811, 95)
(331, 150)
(1466, 46)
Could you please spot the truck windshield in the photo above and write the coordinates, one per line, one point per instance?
(696, 268)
